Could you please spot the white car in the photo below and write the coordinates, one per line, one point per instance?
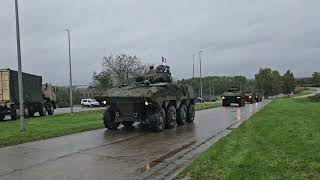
(89, 103)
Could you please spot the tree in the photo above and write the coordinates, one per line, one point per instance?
(102, 80)
(119, 70)
(316, 79)
(269, 82)
(289, 83)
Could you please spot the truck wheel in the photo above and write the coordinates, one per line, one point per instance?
(109, 119)
(43, 111)
(127, 123)
(171, 117)
(191, 113)
(26, 112)
(182, 115)
(16, 114)
(157, 120)
(50, 110)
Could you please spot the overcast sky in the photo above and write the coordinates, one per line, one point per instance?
(237, 37)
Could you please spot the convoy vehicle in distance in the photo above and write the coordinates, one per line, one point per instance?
(250, 96)
(153, 100)
(89, 103)
(233, 95)
(258, 97)
(37, 97)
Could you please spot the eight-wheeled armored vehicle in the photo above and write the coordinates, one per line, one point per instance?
(153, 100)
(233, 95)
(258, 97)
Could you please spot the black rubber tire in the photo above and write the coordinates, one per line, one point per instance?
(225, 103)
(43, 110)
(171, 117)
(16, 114)
(191, 113)
(127, 124)
(2, 117)
(26, 112)
(109, 119)
(182, 115)
(242, 103)
(157, 120)
(50, 110)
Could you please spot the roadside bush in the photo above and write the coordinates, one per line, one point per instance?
(315, 98)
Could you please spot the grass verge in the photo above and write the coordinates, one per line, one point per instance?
(39, 128)
(279, 142)
(50, 126)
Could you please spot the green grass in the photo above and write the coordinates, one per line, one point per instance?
(39, 128)
(280, 142)
(206, 105)
(50, 126)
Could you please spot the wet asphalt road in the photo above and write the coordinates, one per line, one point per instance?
(122, 154)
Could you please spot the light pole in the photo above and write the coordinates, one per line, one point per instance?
(20, 83)
(70, 72)
(200, 75)
(193, 67)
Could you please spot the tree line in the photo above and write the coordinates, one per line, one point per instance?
(122, 69)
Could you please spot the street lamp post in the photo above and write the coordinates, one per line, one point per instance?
(201, 95)
(70, 72)
(193, 68)
(20, 83)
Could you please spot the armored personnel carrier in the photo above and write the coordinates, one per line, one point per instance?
(250, 96)
(233, 95)
(153, 100)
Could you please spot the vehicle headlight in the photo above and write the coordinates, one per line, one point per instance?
(223, 97)
(146, 103)
(250, 97)
(104, 102)
(238, 97)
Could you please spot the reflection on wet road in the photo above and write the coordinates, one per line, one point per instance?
(123, 154)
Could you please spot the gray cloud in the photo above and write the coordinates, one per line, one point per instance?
(237, 37)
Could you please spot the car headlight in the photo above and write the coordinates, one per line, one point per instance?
(238, 97)
(104, 102)
(250, 97)
(146, 103)
(223, 97)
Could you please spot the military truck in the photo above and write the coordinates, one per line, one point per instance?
(250, 96)
(37, 97)
(153, 100)
(233, 95)
(258, 97)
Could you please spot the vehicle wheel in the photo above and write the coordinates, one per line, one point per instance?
(191, 113)
(225, 103)
(182, 115)
(157, 120)
(16, 114)
(43, 110)
(26, 112)
(242, 103)
(109, 119)
(171, 117)
(127, 123)
(2, 117)
(50, 110)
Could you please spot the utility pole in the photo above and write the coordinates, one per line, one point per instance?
(193, 68)
(70, 73)
(20, 83)
(201, 95)
(210, 88)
